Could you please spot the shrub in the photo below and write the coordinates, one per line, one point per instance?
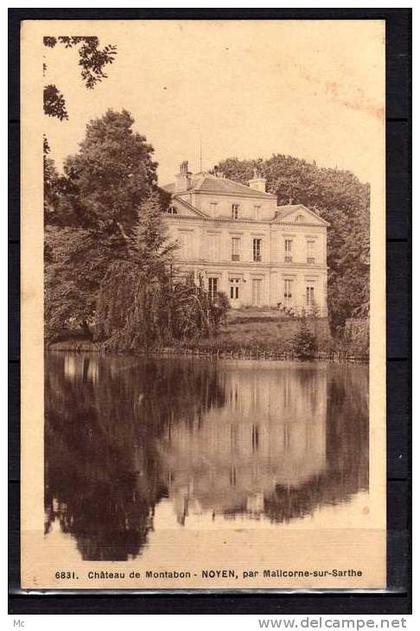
(304, 344)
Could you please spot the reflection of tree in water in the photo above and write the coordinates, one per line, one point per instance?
(347, 451)
(103, 421)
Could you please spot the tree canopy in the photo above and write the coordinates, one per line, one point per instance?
(89, 213)
(107, 180)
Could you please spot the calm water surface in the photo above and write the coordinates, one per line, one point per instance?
(129, 439)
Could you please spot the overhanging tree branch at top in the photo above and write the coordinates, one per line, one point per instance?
(92, 61)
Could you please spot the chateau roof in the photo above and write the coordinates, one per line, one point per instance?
(206, 183)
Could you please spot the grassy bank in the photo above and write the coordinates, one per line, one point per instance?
(253, 335)
(265, 346)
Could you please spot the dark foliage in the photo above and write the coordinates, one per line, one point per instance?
(304, 343)
(89, 212)
(106, 181)
(51, 185)
(54, 103)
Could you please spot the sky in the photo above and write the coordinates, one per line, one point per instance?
(247, 89)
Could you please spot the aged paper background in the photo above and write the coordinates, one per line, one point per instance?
(355, 539)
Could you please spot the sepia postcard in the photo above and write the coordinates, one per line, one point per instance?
(203, 305)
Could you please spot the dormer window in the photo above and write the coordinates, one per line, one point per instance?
(235, 211)
(172, 210)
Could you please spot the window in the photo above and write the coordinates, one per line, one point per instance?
(213, 243)
(310, 295)
(234, 288)
(299, 218)
(213, 208)
(256, 250)
(236, 242)
(288, 290)
(212, 288)
(185, 241)
(256, 291)
(257, 212)
(172, 210)
(310, 245)
(288, 243)
(235, 211)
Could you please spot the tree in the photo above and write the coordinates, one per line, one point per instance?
(149, 241)
(339, 198)
(131, 294)
(108, 179)
(143, 300)
(304, 345)
(92, 61)
(51, 185)
(75, 264)
(90, 213)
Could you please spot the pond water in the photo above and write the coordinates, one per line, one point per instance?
(135, 444)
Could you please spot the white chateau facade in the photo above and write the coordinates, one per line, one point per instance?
(240, 242)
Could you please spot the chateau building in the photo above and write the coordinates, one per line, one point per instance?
(240, 242)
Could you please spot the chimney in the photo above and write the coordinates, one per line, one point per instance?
(257, 183)
(183, 178)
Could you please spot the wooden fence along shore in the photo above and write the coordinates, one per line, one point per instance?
(252, 354)
(213, 353)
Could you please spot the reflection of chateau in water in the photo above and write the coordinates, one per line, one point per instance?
(272, 441)
(272, 431)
